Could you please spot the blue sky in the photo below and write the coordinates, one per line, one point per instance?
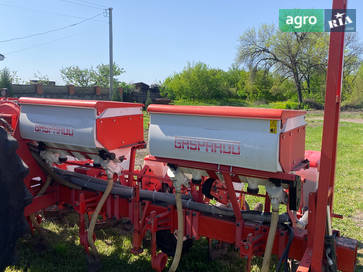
(152, 38)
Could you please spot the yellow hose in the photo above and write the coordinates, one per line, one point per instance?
(180, 234)
(270, 240)
(95, 215)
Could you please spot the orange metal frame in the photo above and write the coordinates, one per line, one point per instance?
(324, 196)
(250, 238)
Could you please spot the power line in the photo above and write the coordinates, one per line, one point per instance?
(91, 3)
(38, 45)
(50, 31)
(80, 4)
(45, 11)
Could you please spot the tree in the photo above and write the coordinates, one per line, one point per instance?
(6, 80)
(101, 75)
(148, 100)
(90, 76)
(196, 81)
(356, 98)
(76, 76)
(258, 86)
(236, 80)
(299, 56)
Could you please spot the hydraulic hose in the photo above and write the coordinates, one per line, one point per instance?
(180, 233)
(285, 254)
(49, 170)
(99, 206)
(44, 188)
(159, 198)
(270, 240)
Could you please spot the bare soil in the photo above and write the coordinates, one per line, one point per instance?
(141, 153)
(318, 118)
(358, 219)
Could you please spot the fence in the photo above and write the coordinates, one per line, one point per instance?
(83, 93)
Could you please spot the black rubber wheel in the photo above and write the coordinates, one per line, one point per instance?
(13, 197)
(166, 242)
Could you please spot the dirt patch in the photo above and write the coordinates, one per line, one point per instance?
(141, 153)
(357, 121)
(318, 118)
(358, 219)
(345, 116)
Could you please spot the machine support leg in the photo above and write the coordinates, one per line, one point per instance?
(232, 197)
(236, 208)
(330, 135)
(82, 224)
(305, 261)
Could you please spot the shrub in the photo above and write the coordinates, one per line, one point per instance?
(312, 104)
(284, 105)
(6, 80)
(148, 100)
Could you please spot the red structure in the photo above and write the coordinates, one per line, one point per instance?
(97, 176)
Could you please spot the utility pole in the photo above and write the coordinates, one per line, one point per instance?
(110, 51)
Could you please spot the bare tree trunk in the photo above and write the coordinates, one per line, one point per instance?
(298, 88)
(308, 83)
(299, 93)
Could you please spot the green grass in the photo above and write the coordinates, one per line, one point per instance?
(57, 247)
(348, 197)
(213, 102)
(146, 119)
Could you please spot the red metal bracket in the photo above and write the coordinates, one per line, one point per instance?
(330, 136)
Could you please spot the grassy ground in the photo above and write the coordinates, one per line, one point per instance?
(56, 247)
(343, 115)
(212, 102)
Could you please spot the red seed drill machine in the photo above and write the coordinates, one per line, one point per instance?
(203, 163)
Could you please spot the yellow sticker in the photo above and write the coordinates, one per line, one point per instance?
(273, 126)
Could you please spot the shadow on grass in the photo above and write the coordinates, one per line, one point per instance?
(59, 250)
(56, 248)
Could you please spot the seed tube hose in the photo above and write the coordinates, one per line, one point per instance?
(92, 224)
(270, 240)
(180, 233)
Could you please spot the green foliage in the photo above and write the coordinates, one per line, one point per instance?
(290, 105)
(201, 83)
(99, 76)
(258, 86)
(116, 95)
(42, 78)
(196, 81)
(212, 102)
(315, 88)
(355, 100)
(126, 90)
(300, 57)
(148, 100)
(76, 76)
(6, 80)
(235, 79)
(281, 66)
